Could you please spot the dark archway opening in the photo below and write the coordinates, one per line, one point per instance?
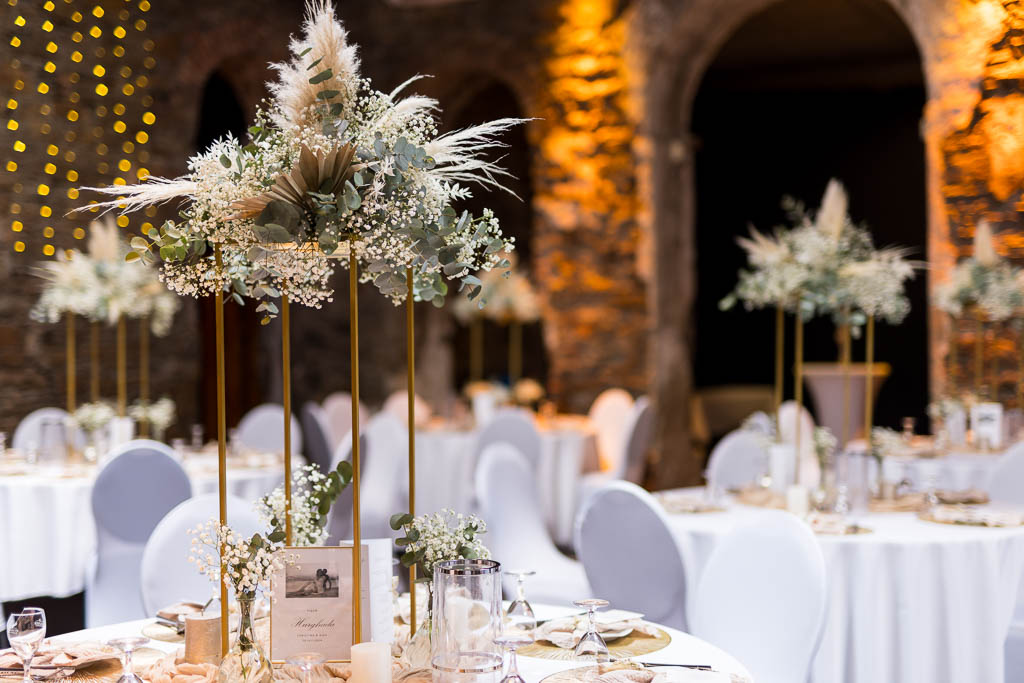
(802, 92)
(220, 114)
(493, 101)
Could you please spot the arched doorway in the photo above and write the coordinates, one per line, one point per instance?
(494, 100)
(801, 92)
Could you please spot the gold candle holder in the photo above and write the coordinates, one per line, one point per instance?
(410, 350)
(222, 442)
(353, 282)
(286, 381)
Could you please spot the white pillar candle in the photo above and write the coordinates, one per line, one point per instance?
(797, 500)
(371, 663)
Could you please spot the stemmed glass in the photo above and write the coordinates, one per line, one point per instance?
(127, 646)
(26, 631)
(512, 642)
(592, 644)
(519, 615)
(306, 662)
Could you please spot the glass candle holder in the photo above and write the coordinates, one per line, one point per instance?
(467, 617)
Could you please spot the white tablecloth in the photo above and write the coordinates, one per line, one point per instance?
(47, 534)
(683, 649)
(956, 471)
(911, 602)
(444, 471)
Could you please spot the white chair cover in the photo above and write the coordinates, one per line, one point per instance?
(338, 410)
(385, 475)
(610, 416)
(1006, 484)
(630, 555)
(140, 484)
(262, 429)
(28, 434)
(167, 574)
(315, 436)
(339, 520)
(397, 405)
(761, 598)
(808, 470)
(516, 533)
(513, 426)
(740, 458)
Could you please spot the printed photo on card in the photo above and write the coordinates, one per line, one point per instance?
(312, 606)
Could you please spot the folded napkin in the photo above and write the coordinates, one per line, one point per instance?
(966, 497)
(833, 525)
(70, 655)
(956, 514)
(178, 610)
(566, 633)
(632, 672)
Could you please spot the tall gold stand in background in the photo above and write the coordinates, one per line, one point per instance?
(780, 341)
(515, 352)
(144, 370)
(222, 444)
(798, 380)
(286, 381)
(476, 349)
(353, 312)
(844, 361)
(94, 361)
(979, 353)
(869, 376)
(70, 362)
(122, 367)
(410, 350)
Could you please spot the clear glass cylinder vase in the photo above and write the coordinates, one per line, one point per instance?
(245, 662)
(466, 618)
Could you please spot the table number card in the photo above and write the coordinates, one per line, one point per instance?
(312, 606)
(987, 424)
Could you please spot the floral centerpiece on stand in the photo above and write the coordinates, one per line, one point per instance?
(159, 415)
(429, 540)
(93, 418)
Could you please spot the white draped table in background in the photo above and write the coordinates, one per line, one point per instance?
(954, 471)
(444, 470)
(909, 602)
(47, 533)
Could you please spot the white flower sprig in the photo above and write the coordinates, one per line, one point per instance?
(249, 564)
(93, 416)
(442, 536)
(160, 414)
(310, 488)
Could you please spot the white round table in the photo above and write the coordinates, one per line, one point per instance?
(683, 648)
(46, 525)
(444, 471)
(909, 602)
(955, 471)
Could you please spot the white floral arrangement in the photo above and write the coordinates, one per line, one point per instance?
(309, 488)
(823, 264)
(505, 296)
(439, 537)
(886, 442)
(527, 391)
(160, 414)
(100, 285)
(331, 165)
(825, 444)
(984, 281)
(92, 417)
(945, 408)
(249, 563)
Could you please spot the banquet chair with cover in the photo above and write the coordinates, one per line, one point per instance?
(609, 417)
(514, 426)
(339, 519)
(315, 436)
(397, 405)
(384, 479)
(631, 467)
(167, 574)
(262, 429)
(762, 598)
(808, 470)
(1006, 485)
(28, 434)
(516, 531)
(739, 459)
(630, 555)
(140, 484)
(338, 411)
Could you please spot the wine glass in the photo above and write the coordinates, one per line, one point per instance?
(512, 642)
(306, 662)
(127, 646)
(592, 645)
(519, 615)
(25, 631)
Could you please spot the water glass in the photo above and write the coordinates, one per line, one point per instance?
(127, 646)
(53, 447)
(853, 475)
(519, 616)
(592, 646)
(512, 642)
(26, 631)
(306, 662)
(467, 618)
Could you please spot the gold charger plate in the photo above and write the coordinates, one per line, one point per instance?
(109, 670)
(576, 675)
(633, 645)
(166, 634)
(927, 516)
